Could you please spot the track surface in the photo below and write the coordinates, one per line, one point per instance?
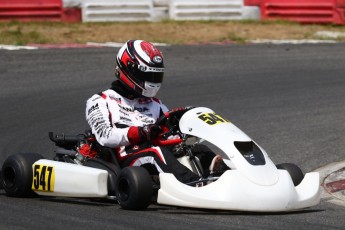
(289, 98)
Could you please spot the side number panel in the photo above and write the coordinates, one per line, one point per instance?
(43, 178)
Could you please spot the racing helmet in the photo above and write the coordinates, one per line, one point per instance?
(139, 66)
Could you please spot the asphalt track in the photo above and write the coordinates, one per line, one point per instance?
(288, 98)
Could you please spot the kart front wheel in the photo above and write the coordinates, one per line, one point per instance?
(16, 174)
(295, 172)
(134, 188)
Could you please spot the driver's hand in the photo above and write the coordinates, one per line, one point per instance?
(178, 112)
(182, 109)
(138, 135)
(149, 132)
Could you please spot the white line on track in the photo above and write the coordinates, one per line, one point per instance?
(57, 46)
(12, 47)
(116, 44)
(305, 41)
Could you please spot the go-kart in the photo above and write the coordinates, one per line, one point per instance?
(253, 182)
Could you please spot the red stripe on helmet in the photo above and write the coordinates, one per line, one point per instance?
(125, 58)
(150, 50)
(125, 79)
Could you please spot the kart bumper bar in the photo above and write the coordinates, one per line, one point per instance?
(232, 191)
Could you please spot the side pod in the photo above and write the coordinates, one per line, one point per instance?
(52, 178)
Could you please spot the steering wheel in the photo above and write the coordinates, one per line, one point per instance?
(169, 122)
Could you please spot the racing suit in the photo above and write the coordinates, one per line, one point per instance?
(111, 113)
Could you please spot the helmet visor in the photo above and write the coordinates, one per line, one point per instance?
(155, 77)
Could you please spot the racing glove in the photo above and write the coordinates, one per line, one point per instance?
(177, 113)
(139, 135)
(182, 109)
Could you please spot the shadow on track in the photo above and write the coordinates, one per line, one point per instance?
(195, 211)
(161, 208)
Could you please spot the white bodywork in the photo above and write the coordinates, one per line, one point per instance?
(245, 187)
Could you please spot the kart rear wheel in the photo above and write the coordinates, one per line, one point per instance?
(17, 174)
(295, 172)
(134, 188)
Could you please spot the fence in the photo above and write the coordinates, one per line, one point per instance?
(304, 11)
(117, 10)
(31, 10)
(208, 10)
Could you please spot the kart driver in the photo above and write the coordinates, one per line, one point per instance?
(123, 117)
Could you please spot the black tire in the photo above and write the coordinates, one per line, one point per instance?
(295, 172)
(17, 174)
(134, 188)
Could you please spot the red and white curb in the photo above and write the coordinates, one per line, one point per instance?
(67, 46)
(332, 177)
(117, 45)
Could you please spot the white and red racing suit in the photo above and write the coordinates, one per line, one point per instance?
(110, 115)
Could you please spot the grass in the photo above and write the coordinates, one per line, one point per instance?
(172, 32)
(16, 36)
